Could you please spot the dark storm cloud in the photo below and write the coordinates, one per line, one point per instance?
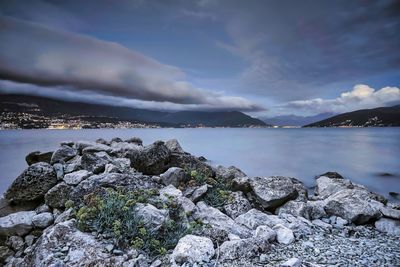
(31, 53)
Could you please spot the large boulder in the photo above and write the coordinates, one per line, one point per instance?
(152, 159)
(174, 176)
(193, 249)
(63, 154)
(33, 183)
(355, 205)
(218, 220)
(19, 223)
(95, 162)
(58, 195)
(37, 156)
(389, 226)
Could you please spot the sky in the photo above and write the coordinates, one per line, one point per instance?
(265, 58)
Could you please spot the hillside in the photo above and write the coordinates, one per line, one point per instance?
(294, 120)
(377, 117)
(45, 109)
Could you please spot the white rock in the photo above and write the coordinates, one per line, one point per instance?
(19, 223)
(254, 218)
(391, 213)
(43, 220)
(242, 248)
(75, 178)
(193, 249)
(265, 233)
(170, 191)
(389, 226)
(283, 234)
(322, 224)
(293, 262)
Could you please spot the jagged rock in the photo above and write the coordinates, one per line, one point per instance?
(321, 224)
(33, 183)
(242, 184)
(264, 232)
(42, 208)
(152, 159)
(19, 223)
(63, 154)
(116, 140)
(125, 149)
(389, 226)
(174, 176)
(296, 208)
(73, 165)
(187, 205)
(43, 220)
(238, 205)
(37, 156)
(229, 173)
(390, 213)
(151, 216)
(272, 192)
(293, 262)
(170, 191)
(328, 186)
(284, 235)
(135, 140)
(59, 169)
(216, 219)
(193, 249)
(355, 205)
(242, 248)
(58, 195)
(29, 239)
(16, 242)
(123, 164)
(102, 141)
(174, 146)
(197, 193)
(64, 216)
(95, 162)
(299, 225)
(95, 147)
(189, 162)
(75, 178)
(254, 218)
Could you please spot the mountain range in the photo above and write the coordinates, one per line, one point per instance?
(294, 120)
(43, 106)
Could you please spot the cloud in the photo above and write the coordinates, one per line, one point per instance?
(360, 97)
(33, 54)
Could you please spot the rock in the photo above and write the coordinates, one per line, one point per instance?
(296, 208)
(135, 140)
(229, 173)
(5, 252)
(102, 141)
(116, 140)
(242, 184)
(123, 164)
(43, 220)
(272, 192)
(95, 147)
(390, 213)
(283, 234)
(95, 162)
(389, 226)
(174, 176)
(125, 149)
(264, 232)
(189, 162)
(187, 205)
(293, 262)
(42, 208)
(198, 193)
(340, 222)
(74, 164)
(37, 156)
(59, 169)
(254, 218)
(174, 146)
(63, 154)
(238, 205)
(328, 186)
(152, 217)
(242, 249)
(216, 219)
(193, 249)
(58, 195)
(170, 191)
(321, 224)
(33, 183)
(19, 223)
(16, 242)
(29, 239)
(76, 177)
(354, 205)
(66, 215)
(152, 159)
(333, 175)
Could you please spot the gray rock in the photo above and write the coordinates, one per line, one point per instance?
(390, 213)
(296, 208)
(64, 216)
(293, 262)
(229, 173)
(135, 140)
(237, 205)
(102, 141)
(95, 162)
(16, 242)
(152, 159)
(355, 205)
(29, 239)
(37, 156)
(33, 183)
(174, 146)
(152, 217)
(5, 253)
(76, 177)
(59, 169)
(198, 193)
(63, 154)
(189, 162)
(58, 195)
(389, 226)
(19, 223)
(95, 147)
(254, 218)
(328, 186)
(42, 208)
(187, 205)
(43, 220)
(123, 164)
(124, 149)
(216, 219)
(284, 235)
(170, 191)
(74, 164)
(265, 233)
(242, 249)
(322, 224)
(193, 249)
(174, 176)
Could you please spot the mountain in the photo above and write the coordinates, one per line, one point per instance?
(377, 117)
(293, 120)
(51, 109)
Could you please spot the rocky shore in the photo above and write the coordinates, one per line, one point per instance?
(120, 203)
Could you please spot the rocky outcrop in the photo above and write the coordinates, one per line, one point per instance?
(33, 183)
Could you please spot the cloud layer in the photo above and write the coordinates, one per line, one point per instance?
(360, 97)
(34, 54)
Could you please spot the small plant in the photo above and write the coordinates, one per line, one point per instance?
(69, 204)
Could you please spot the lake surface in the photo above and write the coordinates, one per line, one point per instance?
(360, 154)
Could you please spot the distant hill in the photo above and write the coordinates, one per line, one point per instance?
(377, 117)
(293, 120)
(57, 108)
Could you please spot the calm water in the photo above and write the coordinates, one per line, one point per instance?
(358, 154)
